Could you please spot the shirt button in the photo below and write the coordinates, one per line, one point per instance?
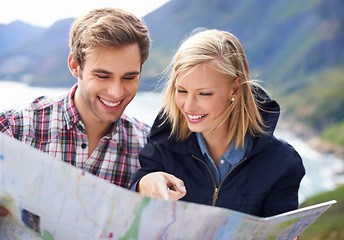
(222, 161)
(83, 146)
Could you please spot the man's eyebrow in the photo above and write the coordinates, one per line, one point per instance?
(100, 71)
(95, 70)
(133, 73)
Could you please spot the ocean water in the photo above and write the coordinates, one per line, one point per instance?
(321, 169)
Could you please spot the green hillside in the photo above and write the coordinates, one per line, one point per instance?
(295, 47)
(318, 102)
(330, 225)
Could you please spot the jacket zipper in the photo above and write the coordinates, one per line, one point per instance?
(216, 195)
(214, 200)
(217, 189)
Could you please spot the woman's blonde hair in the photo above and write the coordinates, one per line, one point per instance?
(107, 27)
(222, 51)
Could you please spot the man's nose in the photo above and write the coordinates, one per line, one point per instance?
(116, 89)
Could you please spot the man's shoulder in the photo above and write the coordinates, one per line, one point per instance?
(131, 134)
(43, 102)
(40, 104)
(134, 124)
(22, 119)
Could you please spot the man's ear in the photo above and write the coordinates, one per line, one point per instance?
(73, 65)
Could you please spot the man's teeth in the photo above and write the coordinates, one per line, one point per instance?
(110, 104)
(193, 117)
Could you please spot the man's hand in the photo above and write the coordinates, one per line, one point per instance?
(3, 212)
(162, 185)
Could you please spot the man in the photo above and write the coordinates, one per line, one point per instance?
(88, 128)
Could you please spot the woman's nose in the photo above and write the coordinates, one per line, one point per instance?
(190, 103)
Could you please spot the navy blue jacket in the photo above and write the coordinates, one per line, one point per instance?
(265, 183)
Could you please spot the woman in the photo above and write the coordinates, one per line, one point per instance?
(213, 141)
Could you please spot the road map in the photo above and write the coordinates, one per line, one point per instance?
(52, 200)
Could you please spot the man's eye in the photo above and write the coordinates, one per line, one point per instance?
(129, 78)
(102, 76)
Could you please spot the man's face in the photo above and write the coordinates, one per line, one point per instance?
(108, 82)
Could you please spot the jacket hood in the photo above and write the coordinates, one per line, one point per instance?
(268, 108)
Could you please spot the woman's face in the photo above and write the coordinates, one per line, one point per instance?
(202, 95)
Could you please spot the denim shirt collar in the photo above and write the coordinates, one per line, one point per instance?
(232, 155)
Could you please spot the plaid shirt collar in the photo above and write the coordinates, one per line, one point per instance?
(72, 118)
(70, 114)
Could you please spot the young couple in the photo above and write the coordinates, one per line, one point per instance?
(212, 142)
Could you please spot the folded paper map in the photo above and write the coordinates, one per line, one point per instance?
(52, 200)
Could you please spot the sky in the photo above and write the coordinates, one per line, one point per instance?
(45, 12)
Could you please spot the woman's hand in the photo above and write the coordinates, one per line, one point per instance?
(162, 185)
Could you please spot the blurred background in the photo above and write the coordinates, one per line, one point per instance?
(295, 47)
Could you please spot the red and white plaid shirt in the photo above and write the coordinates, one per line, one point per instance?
(55, 127)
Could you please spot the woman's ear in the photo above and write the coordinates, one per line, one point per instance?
(73, 65)
(235, 89)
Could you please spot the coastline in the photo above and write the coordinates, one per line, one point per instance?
(310, 136)
(320, 162)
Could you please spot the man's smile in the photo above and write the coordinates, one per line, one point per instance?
(110, 104)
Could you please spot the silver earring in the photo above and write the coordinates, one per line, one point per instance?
(233, 99)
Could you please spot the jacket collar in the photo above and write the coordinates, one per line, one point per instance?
(160, 132)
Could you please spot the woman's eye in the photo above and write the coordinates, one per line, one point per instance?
(205, 94)
(181, 91)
